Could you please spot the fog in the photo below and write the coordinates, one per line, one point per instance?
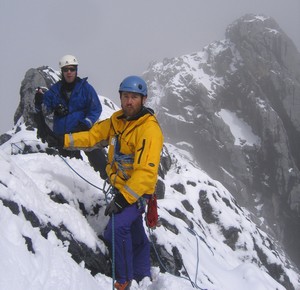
(115, 38)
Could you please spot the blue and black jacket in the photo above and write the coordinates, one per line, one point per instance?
(82, 107)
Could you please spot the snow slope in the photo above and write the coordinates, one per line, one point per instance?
(30, 261)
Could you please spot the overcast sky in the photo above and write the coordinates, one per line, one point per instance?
(115, 38)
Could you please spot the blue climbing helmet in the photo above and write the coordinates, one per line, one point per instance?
(134, 84)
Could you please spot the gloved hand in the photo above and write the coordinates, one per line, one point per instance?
(56, 141)
(41, 126)
(61, 110)
(81, 127)
(116, 205)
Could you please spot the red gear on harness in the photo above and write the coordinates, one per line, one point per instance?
(151, 214)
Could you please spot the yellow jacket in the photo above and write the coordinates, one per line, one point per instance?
(140, 140)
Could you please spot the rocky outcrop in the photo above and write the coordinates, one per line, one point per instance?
(250, 81)
(42, 77)
(95, 260)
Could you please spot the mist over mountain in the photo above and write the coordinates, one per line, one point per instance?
(228, 182)
(235, 105)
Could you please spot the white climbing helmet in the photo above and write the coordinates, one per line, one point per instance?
(68, 60)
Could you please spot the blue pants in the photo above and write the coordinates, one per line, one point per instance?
(132, 247)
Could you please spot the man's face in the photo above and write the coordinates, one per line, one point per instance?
(131, 103)
(69, 72)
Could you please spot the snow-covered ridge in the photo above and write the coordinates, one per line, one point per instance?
(213, 240)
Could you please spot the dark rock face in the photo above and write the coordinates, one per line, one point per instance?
(95, 260)
(253, 75)
(39, 77)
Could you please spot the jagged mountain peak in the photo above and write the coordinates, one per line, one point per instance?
(263, 35)
(236, 104)
(252, 26)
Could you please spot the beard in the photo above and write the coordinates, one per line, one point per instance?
(130, 111)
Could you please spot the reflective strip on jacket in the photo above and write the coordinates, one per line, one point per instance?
(142, 137)
(83, 106)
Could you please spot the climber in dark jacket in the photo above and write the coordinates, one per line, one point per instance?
(76, 108)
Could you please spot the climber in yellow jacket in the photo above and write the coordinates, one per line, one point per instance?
(135, 142)
(138, 137)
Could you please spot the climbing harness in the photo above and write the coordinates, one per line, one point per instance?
(124, 161)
